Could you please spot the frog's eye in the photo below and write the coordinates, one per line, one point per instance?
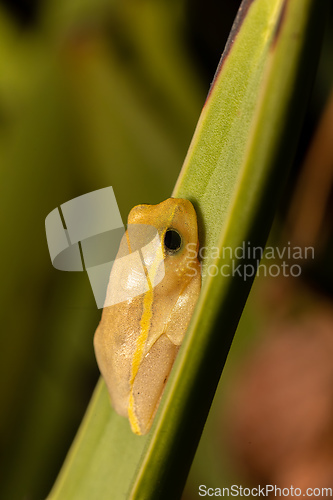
(172, 241)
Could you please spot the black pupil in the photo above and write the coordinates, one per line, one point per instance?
(172, 240)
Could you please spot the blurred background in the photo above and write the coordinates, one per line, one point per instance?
(98, 93)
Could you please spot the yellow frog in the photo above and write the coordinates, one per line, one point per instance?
(153, 288)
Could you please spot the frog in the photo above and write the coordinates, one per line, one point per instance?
(151, 295)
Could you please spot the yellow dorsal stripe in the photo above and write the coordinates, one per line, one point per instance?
(145, 325)
(131, 415)
(144, 328)
(128, 242)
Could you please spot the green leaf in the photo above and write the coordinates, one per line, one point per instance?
(233, 173)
